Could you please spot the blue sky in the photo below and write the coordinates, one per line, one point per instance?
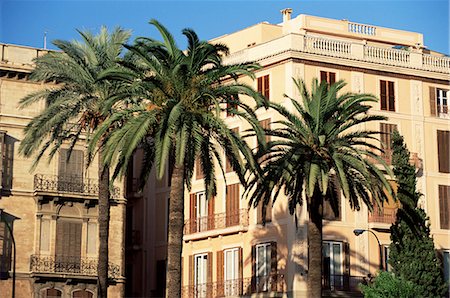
(24, 22)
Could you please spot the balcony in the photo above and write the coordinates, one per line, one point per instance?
(268, 285)
(68, 185)
(386, 215)
(344, 283)
(216, 224)
(66, 266)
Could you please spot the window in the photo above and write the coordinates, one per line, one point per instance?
(68, 242)
(200, 268)
(386, 131)
(260, 212)
(264, 267)
(53, 293)
(444, 206)
(232, 205)
(439, 102)
(228, 167)
(386, 264)
(198, 169)
(332, 264)
(263, 86)
(232, 104)
(387, 96)
(82, 294)
(7, 154)
(232, 268)
(70, 171)
(328, 206)
(328, 76)
(443, 140)
(5, 249)
(201, 213)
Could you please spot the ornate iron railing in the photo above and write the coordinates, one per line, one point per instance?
(69, 184)
(274, 283)
(216, 221)
(69, 265)
(343, 282)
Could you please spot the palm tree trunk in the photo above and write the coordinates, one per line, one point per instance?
(175, 235)
(103, 227)
(314, 283)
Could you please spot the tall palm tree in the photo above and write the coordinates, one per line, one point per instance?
(74, 108)
(320, 148)
(177, 101)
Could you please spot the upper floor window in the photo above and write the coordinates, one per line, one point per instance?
(328, 76)
(228, 166)
(264, 269)
(232, 105)
(444, 206)
(386, 131)
(439, 102)
(263, 86)
(332, 204)
(443, 141)
(387, 96)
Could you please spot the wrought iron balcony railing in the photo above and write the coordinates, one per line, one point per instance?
(345, 283)
(384, 215)
(216, 221)
(69, 266)
(69, 184)
(237, 287)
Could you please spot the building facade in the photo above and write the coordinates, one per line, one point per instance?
(52, 209)
(226, 249)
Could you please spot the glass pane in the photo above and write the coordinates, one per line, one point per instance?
(447, 266)
(337, 266)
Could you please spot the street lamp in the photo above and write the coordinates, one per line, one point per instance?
(358, 232)
(2, 213)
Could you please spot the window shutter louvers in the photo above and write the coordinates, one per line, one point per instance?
(433, 101)
(266, 87)
(232, 205)
(253, 268)
(273, 265)
(391, 96)
(332, 78)
(191, 271)
(383, 95)
(211, 213)
(443, 140)
(192, 213)
(323, 76)
(444, 206)
(220, 273)
(346, 265)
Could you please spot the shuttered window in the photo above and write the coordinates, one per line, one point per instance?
(444, 206)
(53, 293)
(232, 104)
(264, 267)
(232, 205)
(443, 141)
(82, 294)
(328, 76)
(228, 167)
(328, 212)
(263, 86)
(386, 131)
(7, 154)
(68, 239)
(198, 170)
(72, 167)
(387, 96)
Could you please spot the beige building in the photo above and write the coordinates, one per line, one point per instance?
(226, 250)
(53, 209)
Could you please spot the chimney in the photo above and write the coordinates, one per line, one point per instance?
(286, 13)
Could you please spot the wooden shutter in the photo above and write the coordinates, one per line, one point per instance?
(260, 85)
(82, 294)
(266, 86)
(433, 101)
(346, 265)
(391, 96)
(253, 286)
(232, 205)
(209, 270)
(443, 140)
(323, 76)
(383, 95)
(332, 78)
(68, 238)
(228, 166)
(192, 213)
(386, 130)
(211, 219)
(241, 265)
(53, 293)
(198, 169)
(220, 273)
(273, 265)
(444, 206)
(191, 271)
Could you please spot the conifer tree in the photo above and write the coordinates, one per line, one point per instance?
(412, 253)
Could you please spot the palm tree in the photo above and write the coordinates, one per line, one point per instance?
(321, 147)
(175, 115)
(74, 108)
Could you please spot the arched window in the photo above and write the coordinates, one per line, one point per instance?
(53, 293)
(82, 294)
